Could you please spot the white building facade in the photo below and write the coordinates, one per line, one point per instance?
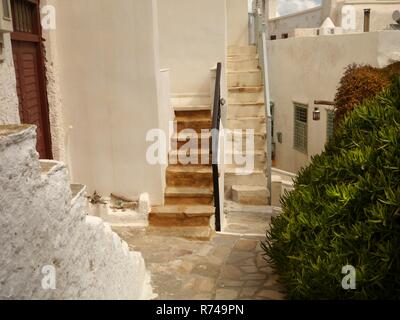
(307, 62)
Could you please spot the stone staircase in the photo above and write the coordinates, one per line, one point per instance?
(188, 210)
(44, 222)
(246, 110)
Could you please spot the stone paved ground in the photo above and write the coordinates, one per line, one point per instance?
(228, 267)
(247, 219)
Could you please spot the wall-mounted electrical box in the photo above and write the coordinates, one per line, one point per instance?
(5, 16)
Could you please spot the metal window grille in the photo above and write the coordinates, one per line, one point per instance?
(300, 128)
(6, 9)
(23, 16)
(330, 124)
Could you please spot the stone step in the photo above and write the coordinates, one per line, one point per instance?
(191, 99)
(183, 138)
(188, 196)
(78, 197)
(250, 195)
(47, 166)
(242, 56)
(258, 124)
(181, 215)
(245, 178)
(245, 78)
(242, 64)
(246, 94)
(258, 159)
(77, 190)
(188, 123)
(200, 107)
(194, 112)
(242, 50)
(246, 110)
(239, 141)
(189, 176)
(192, 156)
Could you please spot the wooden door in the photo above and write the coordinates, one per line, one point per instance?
(30, 72)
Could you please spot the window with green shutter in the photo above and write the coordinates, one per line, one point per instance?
(330, 124)
(301, 128)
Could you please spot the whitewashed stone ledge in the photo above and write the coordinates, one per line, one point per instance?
(42, 224)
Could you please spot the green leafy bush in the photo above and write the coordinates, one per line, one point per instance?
(345, 210)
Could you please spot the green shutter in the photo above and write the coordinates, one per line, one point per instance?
(301, 128)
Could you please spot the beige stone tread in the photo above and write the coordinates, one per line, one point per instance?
(192, 152)
(47, 165)
(246, 89)
(243, 171)
(244, 134)
(244, 71)
(192, 119)
(242, 57)
(184, 136)
(76, 189)
(262, 119)
(190, 169)
(192, 108)
(184, 210)
(243, 188)
(247, 104)
(8, 130)
(181, 192)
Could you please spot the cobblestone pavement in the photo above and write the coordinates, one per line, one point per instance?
(228, 267)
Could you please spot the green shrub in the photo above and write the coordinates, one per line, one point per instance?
(345, 210)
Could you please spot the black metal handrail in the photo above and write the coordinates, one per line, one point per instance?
(216, 122)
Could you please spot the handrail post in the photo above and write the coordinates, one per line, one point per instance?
(215, 146)
(267, 99)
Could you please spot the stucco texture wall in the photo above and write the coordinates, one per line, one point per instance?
(238, 22)
(108, 73)
(307, 69)
(9, 113)
(42, 223)
(192, 41)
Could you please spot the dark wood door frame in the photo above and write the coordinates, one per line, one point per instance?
(36, 37)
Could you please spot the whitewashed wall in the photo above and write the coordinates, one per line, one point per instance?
(42, 225)
(192, 41)
(237, 22)
(9, 113)
(287, 24)
(108, 78)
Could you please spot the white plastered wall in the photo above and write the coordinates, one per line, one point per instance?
(238, 22)
(306, 69)
(107, 68)
(192, 41)
(9, 113)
